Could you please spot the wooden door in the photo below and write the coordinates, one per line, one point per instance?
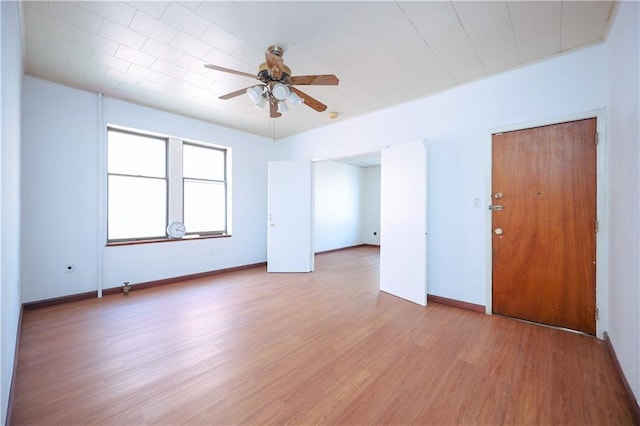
(544, 237)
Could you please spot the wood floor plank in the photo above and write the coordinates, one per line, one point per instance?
(327, 347)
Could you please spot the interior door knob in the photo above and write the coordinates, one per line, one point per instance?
(498, 195)
(498, 231)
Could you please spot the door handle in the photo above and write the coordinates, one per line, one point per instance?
(497, 207)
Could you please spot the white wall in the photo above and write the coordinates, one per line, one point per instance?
(59, 190)
(624, 190)
(457, 125)
(338, 205)
(63, 183)
(10, 113)
(371, 220)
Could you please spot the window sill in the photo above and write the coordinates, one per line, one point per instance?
(166, 240)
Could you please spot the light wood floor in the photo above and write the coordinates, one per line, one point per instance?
(322, 348)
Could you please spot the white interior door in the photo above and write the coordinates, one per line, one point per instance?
(403, 222)
(289, 217)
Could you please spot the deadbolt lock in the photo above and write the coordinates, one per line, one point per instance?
(498, 195)
(498, 231)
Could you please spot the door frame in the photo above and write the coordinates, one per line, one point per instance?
(602, 240)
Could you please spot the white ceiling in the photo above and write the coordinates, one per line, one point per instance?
(383, 52)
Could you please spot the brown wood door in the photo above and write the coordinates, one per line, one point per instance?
(544, 238)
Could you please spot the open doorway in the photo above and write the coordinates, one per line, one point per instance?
(402, 216)
(346, 202)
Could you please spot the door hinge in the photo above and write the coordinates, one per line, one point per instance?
(597, 138)
(597, 313)
(597, 226)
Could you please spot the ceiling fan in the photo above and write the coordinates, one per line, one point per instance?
(277, 84)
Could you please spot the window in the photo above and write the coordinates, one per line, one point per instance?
(204, 189)
(153, 181)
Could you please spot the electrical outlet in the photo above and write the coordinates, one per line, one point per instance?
(69, 268)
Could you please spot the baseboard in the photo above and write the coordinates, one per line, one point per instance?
(59, 300)
(173, 280)
(346, 248)
(632, 399)
(137, 286)
(14, 373)
(456, 303)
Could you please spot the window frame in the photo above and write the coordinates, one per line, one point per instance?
(174, 206)
(224, 151)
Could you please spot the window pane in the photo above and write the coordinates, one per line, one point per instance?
(136, 155)
(204, 206)
(203, 163)
(137, 207)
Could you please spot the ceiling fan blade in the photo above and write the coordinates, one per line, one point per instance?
(217, 68)
(274, 64)
(236, 93)
(310, 101)
(317, 80)
(273, 110)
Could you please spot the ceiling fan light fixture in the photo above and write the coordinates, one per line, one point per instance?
(295, 99)
(282, 107)
(255, 94)
(280, 91)
(261, 103)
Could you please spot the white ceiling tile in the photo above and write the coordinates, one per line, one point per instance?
(56, 70)
(185, 20)
(40, 54)
(154, 28)
(197, 79)
(193, 5)
(584, 22)
(537, 28)
(488, 26)
(83, 65)
(161, 50)
(128, 90)
(144, 72)
(54, 42)
(95, 42)
(171, 88)
(439, 26)
(225, 41)
(191, 45)
(168, 68)
(225, 15)
(47, 23)
(119, 76)
(40, 6)
(251, 56)
(110, 61)
(191, 63)
(76, 15)
(35, 34)
(115, 11)
(383, 53)
(72, 76)
(151, 8)
(123, 35)
(135, 56)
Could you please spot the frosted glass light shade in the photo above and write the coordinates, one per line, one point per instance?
(282, 106)
(295, 99)
(255, 94)
(280, 91)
